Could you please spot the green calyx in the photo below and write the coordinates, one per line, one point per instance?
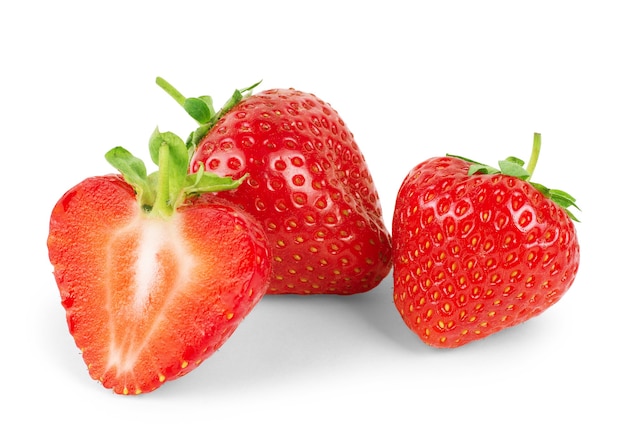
(201, 108)
(163, 191)
(513, 166)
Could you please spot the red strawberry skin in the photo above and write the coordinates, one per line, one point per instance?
(148, 299)
(309, 186)
(476, 254)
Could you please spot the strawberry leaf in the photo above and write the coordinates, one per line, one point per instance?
(563, 199)
(203, 182)
(476, 167)
(201, 108)
(481, 169)
(134, 172)
(514, 167)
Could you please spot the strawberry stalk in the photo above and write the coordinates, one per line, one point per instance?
(201, 108)
(534, 156)
(161, 204)
(514, 167)
(163, 191)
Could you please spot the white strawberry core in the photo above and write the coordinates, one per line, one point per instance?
(156, 237)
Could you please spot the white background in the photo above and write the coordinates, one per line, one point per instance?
(412, 80)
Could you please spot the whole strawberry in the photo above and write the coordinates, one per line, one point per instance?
(308, 184)
(153, 279)
(477, 250)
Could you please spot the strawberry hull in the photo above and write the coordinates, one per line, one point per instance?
(148, 299)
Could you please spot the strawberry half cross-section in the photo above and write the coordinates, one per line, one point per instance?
(154, 281)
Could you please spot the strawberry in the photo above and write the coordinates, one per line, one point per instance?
(308, 185)
(153, 279)
(477, 250)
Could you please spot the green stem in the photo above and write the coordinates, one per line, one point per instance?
(534, 156)
(171, 90)
(162, 205)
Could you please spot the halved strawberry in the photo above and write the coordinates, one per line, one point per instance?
(153, 281)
